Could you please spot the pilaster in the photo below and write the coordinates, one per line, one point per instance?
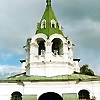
(48, 53)
(65, 52)
(33, 52)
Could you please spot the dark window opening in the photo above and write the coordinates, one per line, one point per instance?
(16, 96)
(84, 94)
(68, 48)
(53, 25)
(57, 46)
(41, 50)
(44, 25)
(68, 42)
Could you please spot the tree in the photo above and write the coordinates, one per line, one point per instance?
(85, 70)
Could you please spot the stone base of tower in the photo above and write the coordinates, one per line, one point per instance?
(51, 69)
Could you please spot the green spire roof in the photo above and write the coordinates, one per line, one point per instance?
(49, 24)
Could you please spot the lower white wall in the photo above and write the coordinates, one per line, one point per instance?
(38, 88)
(6, 89)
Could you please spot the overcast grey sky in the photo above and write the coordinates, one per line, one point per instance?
(79, 18)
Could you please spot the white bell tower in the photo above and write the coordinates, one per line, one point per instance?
(48, 52)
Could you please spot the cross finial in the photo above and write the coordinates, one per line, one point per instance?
(48, 2)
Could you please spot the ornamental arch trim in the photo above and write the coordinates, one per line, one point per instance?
(57, 36)
(37, 36)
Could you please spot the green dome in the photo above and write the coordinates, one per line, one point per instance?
(49, 24)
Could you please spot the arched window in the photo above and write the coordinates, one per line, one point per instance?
(57, 47)
(84, 95)
(43, 24)
(53, 23)
(16, 96)
(41, 46)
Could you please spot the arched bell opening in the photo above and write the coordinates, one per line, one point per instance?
(57, 46)
(41, 46)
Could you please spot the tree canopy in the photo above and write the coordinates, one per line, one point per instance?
(86, 71)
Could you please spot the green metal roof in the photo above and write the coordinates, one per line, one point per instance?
(72, 77)
(48, 16)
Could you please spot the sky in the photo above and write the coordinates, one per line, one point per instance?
(18, 20)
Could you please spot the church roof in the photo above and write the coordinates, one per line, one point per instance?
(48, 16)
(73, 77)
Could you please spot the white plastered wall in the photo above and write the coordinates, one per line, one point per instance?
(38, 88)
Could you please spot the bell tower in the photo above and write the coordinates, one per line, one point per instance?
(49, 52)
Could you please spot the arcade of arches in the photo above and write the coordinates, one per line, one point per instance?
(82, 95)
(57, 46)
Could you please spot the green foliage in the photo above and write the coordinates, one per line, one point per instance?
(85, 70)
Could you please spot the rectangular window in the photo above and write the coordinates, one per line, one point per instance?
(29, 97)
(69, 96)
